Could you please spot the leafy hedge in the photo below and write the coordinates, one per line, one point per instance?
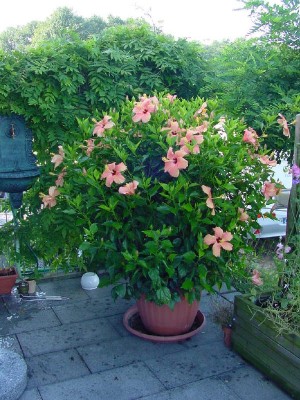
(256, 81)
(60, 81)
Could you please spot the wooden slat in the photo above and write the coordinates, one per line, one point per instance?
(291, 388)
(255, 339)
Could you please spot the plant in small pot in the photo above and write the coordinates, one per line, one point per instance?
(222, 314)
(165, 193)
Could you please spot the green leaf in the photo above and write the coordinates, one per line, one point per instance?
(93, 228)
(69, 211)
(189, 256)
(187, 284)
(85, 246)
(188, 207)
(119, 291)
(104, 207)
(154, 276)
(163, 295)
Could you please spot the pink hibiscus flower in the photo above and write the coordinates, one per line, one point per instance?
(191, 137)
(173, 128)
(175, 161)
(112, 173)
(209, 201)
(283, 122)
(129, 188)
(202, 111)
(266, 160)
(250, 136)
(102, 125)
(269, 190)
(202, 128)
(256, 279)
(60, 179)
(50, 199)
(90, 146)
(57, 159)
(243, 216)
(171, 97)
(220, 240)
(143, 110)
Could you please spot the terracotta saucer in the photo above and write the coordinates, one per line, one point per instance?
(134, 325)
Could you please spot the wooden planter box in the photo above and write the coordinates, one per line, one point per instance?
(256, 340)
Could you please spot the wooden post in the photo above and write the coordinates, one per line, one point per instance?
(292, 227)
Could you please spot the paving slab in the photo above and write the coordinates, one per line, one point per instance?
(99, 292)
(194, 364)
(206, 389)
(64, 287)
(55, 367)
(66, 336)
(124, 351)
(26, 320)
(125, 383)
(249, 384)
(91, 308)
(31, 394)
(2, 305)
(10, 342)
(210, 333)
(117, 322)
(204, 305)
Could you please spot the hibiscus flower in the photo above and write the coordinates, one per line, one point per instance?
(102, 125)
(112, 173)
(129, 188)
(57, 159)
(209, 201)
(49, 200)
(283, 122)
(175, 161)
(269, 190)
(191, 137)
(251, 137)
(220, 240)
(143, 110)
(256, 279)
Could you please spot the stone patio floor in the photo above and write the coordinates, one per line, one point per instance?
(78, 349)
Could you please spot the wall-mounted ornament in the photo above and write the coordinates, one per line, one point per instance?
(18, 168)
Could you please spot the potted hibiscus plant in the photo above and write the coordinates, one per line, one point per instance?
(164, 193)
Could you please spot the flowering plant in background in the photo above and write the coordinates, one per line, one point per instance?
(165, 194)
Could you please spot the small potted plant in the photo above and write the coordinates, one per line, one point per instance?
(165, 193)
(222, 314)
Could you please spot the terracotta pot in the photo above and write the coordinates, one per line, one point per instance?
(7, 282)
(161, 320)
(227, 330)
